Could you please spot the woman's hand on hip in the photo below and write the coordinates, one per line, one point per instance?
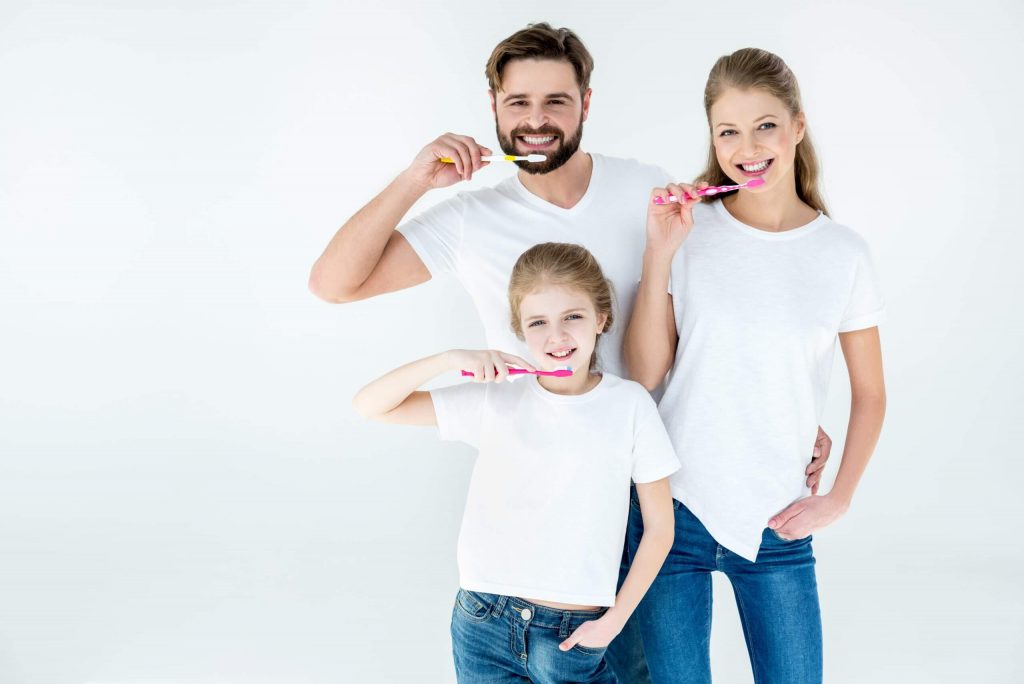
(807, 516)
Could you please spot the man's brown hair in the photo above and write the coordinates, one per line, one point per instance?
(541, 41)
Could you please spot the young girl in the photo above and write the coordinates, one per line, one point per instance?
(761, 285)
(541, 539)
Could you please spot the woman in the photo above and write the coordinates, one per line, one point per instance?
(760, 285)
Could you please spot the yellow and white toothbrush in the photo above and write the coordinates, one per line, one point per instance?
(502, 157)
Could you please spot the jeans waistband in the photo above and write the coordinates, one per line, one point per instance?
(539, 616)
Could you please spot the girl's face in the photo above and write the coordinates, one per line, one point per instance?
(560, 326)
(755, 136)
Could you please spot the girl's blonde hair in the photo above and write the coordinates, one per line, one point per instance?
(559, 263)
(753, 68)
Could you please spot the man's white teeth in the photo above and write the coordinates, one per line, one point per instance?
(759, 166)
(538, 141)
(561, 354)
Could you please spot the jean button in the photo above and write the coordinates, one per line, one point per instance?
(527, 614)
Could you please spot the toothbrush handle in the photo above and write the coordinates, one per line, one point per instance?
(511, 371)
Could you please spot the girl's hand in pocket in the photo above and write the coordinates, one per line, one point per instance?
(593, 633)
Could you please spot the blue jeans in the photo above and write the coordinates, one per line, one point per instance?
(777, 598)
(506, 639)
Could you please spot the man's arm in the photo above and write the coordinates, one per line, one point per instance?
(367, 256)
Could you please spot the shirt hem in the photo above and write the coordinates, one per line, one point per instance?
(741, 549)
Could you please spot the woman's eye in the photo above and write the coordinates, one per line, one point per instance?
(766, 125)
(726, 133)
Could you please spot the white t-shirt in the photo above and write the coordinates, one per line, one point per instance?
(479, 235)
(758, 316)
(547, 507)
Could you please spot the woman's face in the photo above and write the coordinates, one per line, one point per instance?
(755, 136)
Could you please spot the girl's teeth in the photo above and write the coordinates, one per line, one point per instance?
(562, 355)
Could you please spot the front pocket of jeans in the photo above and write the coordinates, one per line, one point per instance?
(589, 650)
(788, 541)
(471, 607)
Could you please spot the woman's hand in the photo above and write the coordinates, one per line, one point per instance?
(669, 224)
(594, 633)
(807, 516)
(486, 365)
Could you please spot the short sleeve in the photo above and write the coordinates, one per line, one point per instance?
(865, 307)
(436, 234)
(653, 454)
(459, 410)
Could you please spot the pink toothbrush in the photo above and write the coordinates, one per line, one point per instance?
(563, 372)
(713, 190)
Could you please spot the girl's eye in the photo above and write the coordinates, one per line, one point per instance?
(534, 324)
(573, 317)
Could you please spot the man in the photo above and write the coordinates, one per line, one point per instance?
(540, 93)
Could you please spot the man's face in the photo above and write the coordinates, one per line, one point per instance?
(539, 110)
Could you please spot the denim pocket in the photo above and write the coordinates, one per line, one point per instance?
(789, 541)
(589, 650)
(472, 606)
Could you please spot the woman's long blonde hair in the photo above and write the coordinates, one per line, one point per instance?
(559, 263)
(753, 68)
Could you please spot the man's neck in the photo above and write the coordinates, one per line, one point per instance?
(566, 185)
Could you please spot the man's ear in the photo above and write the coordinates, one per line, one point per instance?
(586, 103)
(494, 101)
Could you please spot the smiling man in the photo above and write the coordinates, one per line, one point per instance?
(540, 93)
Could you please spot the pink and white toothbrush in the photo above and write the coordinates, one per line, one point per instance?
(563, 372)
(713, 190)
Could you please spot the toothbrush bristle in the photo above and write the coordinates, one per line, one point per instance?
(756, 182)
(536, 157)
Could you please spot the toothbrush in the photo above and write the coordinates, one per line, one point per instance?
(713, 190)
(502, 157)
(562, 372)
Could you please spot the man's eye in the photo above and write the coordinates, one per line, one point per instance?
(556, 102)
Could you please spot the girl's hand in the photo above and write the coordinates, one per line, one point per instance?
(487, 365)
(807, 516)
(594, 633)
(669, 224)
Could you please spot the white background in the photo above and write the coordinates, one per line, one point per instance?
(185, 492)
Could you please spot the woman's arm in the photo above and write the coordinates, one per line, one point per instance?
(649, 346)
(392, 398)
(862, 350)
(659, 533)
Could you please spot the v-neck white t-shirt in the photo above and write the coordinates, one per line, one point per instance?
(758, 316)
(547, 507)
(479, 235)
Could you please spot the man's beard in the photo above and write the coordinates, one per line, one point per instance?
(554, 160)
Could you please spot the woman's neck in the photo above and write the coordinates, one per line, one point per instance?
(776, 210)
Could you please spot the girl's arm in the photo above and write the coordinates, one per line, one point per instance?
(862, 350)
(649, 346)
(392, 398)
(659, 533)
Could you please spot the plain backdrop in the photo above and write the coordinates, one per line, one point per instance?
(185, 492)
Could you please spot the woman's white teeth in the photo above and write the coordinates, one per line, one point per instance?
(759, 166)
(538, 141)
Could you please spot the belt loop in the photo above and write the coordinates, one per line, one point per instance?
(499, 606)
(563, 629)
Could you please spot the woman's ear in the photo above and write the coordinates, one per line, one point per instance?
(801, 127)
